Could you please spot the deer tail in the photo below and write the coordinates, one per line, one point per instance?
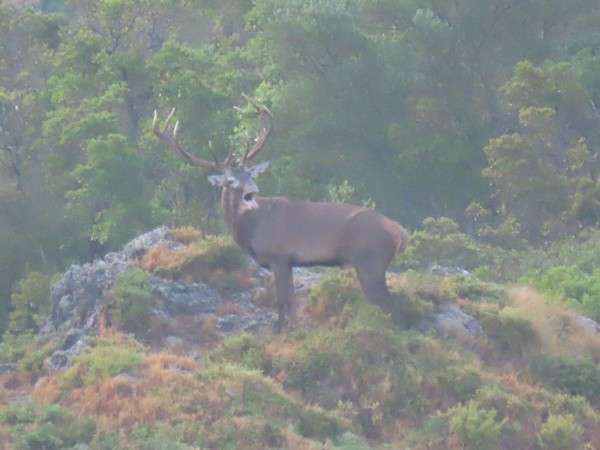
(402, 239)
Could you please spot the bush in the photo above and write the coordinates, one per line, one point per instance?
(510, 332)
(477, 428)
(571, 375)
(133, 301)
(440, 241)
(30, 301)
(48, 427)
(474, 289)
(206, 260)
(571, 285)
(157, 437)
(560, 432)
(26, 352)
(106, 357)
(334, 290)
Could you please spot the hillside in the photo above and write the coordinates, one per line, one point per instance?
(167, 344)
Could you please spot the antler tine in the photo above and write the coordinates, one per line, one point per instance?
(170, 140)
(212, 153)
(265, 116)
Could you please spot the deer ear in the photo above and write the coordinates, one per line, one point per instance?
(259, 168)
(217, 180)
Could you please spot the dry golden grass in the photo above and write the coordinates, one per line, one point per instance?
(227, 308)
(167, 361)
(128, 399)
(559, 331)
(14, 380)
(160, 256)
(187, 234)
(215, 260)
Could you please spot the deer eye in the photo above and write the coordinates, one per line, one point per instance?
(231, 181)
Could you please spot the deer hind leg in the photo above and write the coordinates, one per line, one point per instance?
(371, 275)
(284, 289)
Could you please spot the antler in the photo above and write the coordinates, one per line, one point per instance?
(169, 137)
(265, 116)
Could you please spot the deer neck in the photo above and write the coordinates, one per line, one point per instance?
(230, 202)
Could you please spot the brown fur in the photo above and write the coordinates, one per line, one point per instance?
(281, 233)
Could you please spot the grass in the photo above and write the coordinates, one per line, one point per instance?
(216, 260)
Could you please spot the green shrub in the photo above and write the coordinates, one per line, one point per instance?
(560, 432)
(477, 428)
(571, 375)
(510, 332)
(157, 436)
(219, 252)
(48, 427)
(409, 310)
(133, 301)
(335, 289)
(26, 352)
(105, 358)
(474, 289)
(459, 381)
(570, 285)
(349, 441)
(440, 241)
(244, 349)
(30, 301)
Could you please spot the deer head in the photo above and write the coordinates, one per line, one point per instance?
(235, 176)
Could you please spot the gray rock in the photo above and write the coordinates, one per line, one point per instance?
(446, 271)
(8, 368)
(57, 360)
(173, 341)
(182, 298)
(587, 324)
(78, 297)
(449, 320)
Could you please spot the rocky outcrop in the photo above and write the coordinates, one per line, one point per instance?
(79, 298)
(450, 321)
(184, 310)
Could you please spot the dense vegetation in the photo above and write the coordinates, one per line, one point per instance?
(475, 123)
(485, 112)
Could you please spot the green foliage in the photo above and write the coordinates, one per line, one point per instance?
(571, 375)
(334, 290)
(571, 285)
(509, 331)
(543, 176)
(219, 252)
(440, 241)
(474, 289)
(245, 349)
(30, 301)
(157, 437)
(105, 358)
(560, 432)
(48, 427)
(133, 301)
(24, 350)
(477, 428)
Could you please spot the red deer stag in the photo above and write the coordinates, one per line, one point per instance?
(280, 233)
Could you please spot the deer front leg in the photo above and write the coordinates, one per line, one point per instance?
(282, 271)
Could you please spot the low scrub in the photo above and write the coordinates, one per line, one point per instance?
(133, 302)
(26, 352)
(213, 259)
(440, 241)
(476, 427)
(571, 286)
(560, 432)
(49, 427)
(571, 375)
(105, 358)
